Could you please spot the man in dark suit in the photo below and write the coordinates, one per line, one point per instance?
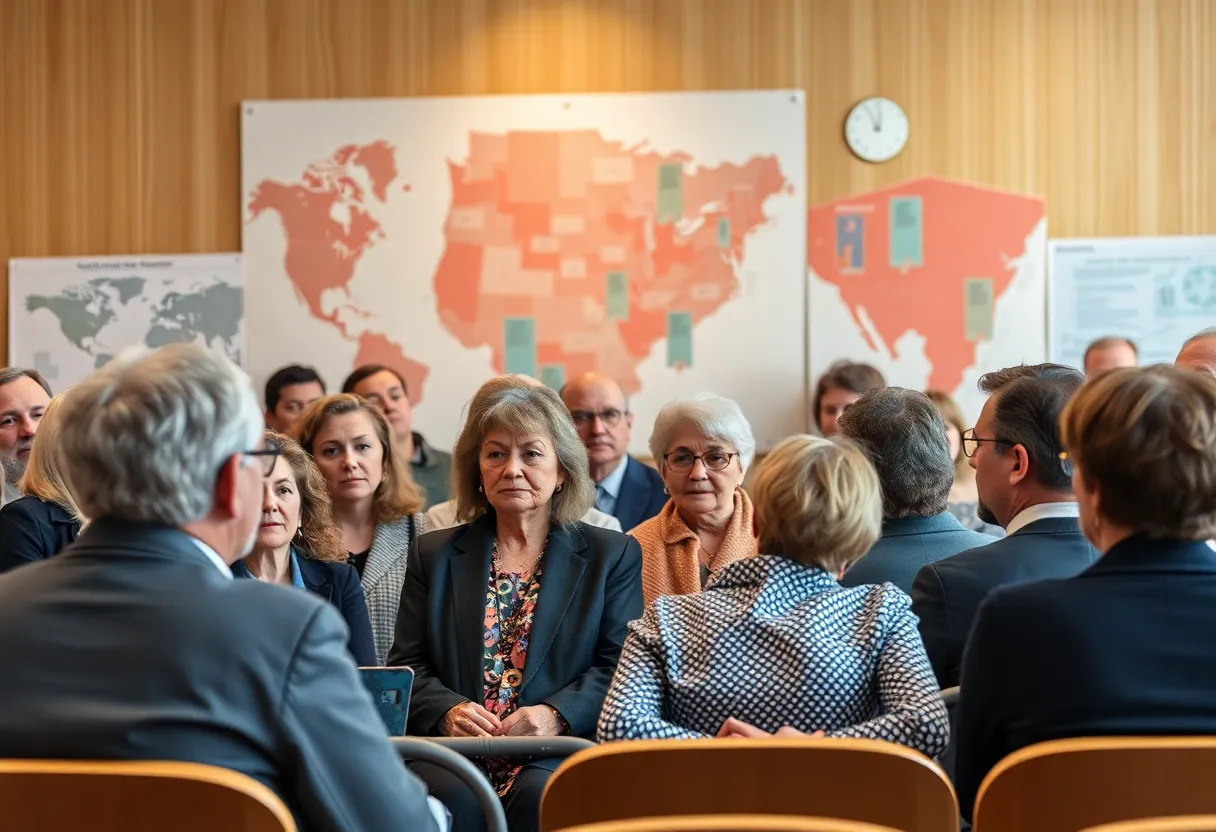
(1024, 487)
(904, 437)
(136, 643)
(629, 490)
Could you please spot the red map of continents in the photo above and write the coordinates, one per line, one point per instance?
(564, 252)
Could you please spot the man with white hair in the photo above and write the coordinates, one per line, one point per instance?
(135, 642)
(1199, 352)
(24, 396)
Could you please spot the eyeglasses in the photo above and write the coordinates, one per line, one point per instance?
(610, 417)
(683, 461)
(269, 456)
(971, 442)
(1065, 463)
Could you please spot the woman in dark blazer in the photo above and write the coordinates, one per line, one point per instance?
(45, 520)
(299, 545)
(513, 623)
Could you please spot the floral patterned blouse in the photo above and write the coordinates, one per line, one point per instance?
(510, 604)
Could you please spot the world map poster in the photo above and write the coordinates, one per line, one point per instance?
(68, 316)
(658, 238)
(932, 281)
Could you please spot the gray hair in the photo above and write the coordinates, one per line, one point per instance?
(1201, 335)
(520, 405)
(904, 437)
(151, 431)
(10, 374)
(716, 417)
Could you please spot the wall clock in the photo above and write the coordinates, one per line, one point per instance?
(876, 130)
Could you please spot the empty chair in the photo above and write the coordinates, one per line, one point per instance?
(1071, 785)
(136, 797)
(808, 777)
(732, 823)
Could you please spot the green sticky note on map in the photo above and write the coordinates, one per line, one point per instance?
(616, 295)
(723, 232)
(671, 192)
(553, 375)
(679, 339)
(907, 232)
(519, 346)
(979, 309)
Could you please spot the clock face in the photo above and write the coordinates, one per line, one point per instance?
(876, 129)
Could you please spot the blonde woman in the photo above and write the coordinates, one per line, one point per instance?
(774, 643)
(377, 506)
(44, 521)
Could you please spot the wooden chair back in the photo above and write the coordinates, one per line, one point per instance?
(732, 823)
(862, 780)
(1185, 823)
(125, 796)
(1070, 785)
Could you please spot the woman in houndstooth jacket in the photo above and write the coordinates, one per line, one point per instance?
(377, 505)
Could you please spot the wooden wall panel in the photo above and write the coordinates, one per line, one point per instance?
(119, 118)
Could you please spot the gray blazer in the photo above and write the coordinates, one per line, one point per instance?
(384, 575)
(131, 644)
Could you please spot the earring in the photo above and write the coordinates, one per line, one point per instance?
(480, 489)
(559, 487)
(300, 533)
(666, 493)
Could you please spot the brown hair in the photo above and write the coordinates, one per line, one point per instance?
(43, 477)
(1145, 439)
(520, 407)
(817, 502)
(845, 375)
(952, 415)
(322, 540)
(397, 495)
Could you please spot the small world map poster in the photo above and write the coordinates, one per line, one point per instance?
(655, 237)
(68, 316)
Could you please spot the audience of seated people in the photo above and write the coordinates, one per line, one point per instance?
(376, 505)
(904, 438)
(288, 392)
(774, 642)
(513, 622)
(703, 446)
(24, 396)
(964, 500)
(1125, 647)
(842, 384)
(386, 389)
(46, 520)
(1109, 353)
(1199, 352)
(1025, 488)
(299, 545)
(629, 490)
(136, 643)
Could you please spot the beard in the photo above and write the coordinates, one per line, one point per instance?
(14, 468)
(984, 513)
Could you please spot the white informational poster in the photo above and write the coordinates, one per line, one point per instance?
(70, 315)
(1157, 291)
(659, 238)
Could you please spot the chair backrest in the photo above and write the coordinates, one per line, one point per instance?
(1185, 823)
(136, 797)
(732, 823)
(1069, 785)
(833, 778)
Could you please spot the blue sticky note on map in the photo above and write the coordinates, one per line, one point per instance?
(553, 375)
(670, 205)
(616, 295)
(907, 232)
(679, 339)
(850, 242)
(723, 232)
(519, 346)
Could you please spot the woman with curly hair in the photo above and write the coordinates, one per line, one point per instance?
(298, 544)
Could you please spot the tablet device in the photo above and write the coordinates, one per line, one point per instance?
(390, 690)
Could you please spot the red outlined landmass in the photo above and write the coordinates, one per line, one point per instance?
(967, 232)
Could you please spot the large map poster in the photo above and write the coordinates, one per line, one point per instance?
(658, 238)
(934, 282)
(68, 316)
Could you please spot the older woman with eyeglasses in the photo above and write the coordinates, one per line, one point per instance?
(703, 445)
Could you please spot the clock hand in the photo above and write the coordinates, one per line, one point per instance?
(877, 122)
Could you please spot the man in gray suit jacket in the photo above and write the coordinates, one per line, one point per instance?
(903, 435)
(135, 642)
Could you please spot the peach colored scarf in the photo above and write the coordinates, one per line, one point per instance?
(671, 563)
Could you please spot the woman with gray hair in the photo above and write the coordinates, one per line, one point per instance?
(513, 621)
(703, 446)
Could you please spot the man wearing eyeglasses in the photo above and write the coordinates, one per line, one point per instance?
(627, 489)
(1025, 486)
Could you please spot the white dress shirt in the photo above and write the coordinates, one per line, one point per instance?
(214, 557)
(608, 490)
(1043, 511)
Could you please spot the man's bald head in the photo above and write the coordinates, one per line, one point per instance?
(601, 414)
(1199, 352)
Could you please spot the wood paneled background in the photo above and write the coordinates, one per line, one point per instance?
(119, 118)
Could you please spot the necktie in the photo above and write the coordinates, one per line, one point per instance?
(601, 498)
